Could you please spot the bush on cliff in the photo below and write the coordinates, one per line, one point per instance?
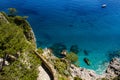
(60, 65)
(14, 43)
(72, 57)
(77, 78)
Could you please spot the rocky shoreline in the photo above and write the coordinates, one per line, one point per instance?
(113, 70)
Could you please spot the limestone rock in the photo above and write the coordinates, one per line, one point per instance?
(113, 69)
(83, 73)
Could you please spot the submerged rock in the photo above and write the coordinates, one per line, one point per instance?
(74, 49)
(87, 61)
(113, 54)
(57, 49)
(85, 52)
(71, 25)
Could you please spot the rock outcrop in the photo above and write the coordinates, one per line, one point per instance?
(83, 73)
(112, 71)
(3, 19)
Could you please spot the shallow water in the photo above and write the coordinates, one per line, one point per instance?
(80, 22)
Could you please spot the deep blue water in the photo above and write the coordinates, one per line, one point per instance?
(74, 22)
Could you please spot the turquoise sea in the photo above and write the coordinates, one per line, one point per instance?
(74, 22)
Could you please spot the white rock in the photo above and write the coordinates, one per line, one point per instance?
(112, 71)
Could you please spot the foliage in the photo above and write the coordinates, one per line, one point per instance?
(72, 57)
(60, 65)
(40, 50)
(62, 78)
(77, 78)
(20, 21)
(104, 79)
(12, 11)
(34, 59)
(19, 70)
(12, 39)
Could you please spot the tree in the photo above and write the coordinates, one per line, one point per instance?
(40, 50)
(12, 12)
(60, 66)
(72, 57)
(12, 40)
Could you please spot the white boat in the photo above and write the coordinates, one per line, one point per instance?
(103, 5)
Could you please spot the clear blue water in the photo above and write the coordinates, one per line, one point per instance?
(80, 22)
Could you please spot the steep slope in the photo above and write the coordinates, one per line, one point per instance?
(17, 45)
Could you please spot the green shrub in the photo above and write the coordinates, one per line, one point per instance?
(19, 70)
(72, 57)
(77, 78)
(12, 40)
(40, 50)
(104, 79)
(60, 66)
(12, 12)
(117, 78)
(24, 67)
(62, 78)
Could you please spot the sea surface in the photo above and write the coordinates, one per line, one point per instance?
(74, 22)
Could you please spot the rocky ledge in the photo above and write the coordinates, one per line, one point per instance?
(83, 73)
(112, 71)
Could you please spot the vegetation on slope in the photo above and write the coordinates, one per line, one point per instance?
(17, 50)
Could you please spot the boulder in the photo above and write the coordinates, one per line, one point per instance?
(87, 61)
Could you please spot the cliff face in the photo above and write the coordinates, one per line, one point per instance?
(21, 22)
(3, 19)
(31, 37)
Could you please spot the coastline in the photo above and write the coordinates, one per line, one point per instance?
(111, 72)
(85, 74)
